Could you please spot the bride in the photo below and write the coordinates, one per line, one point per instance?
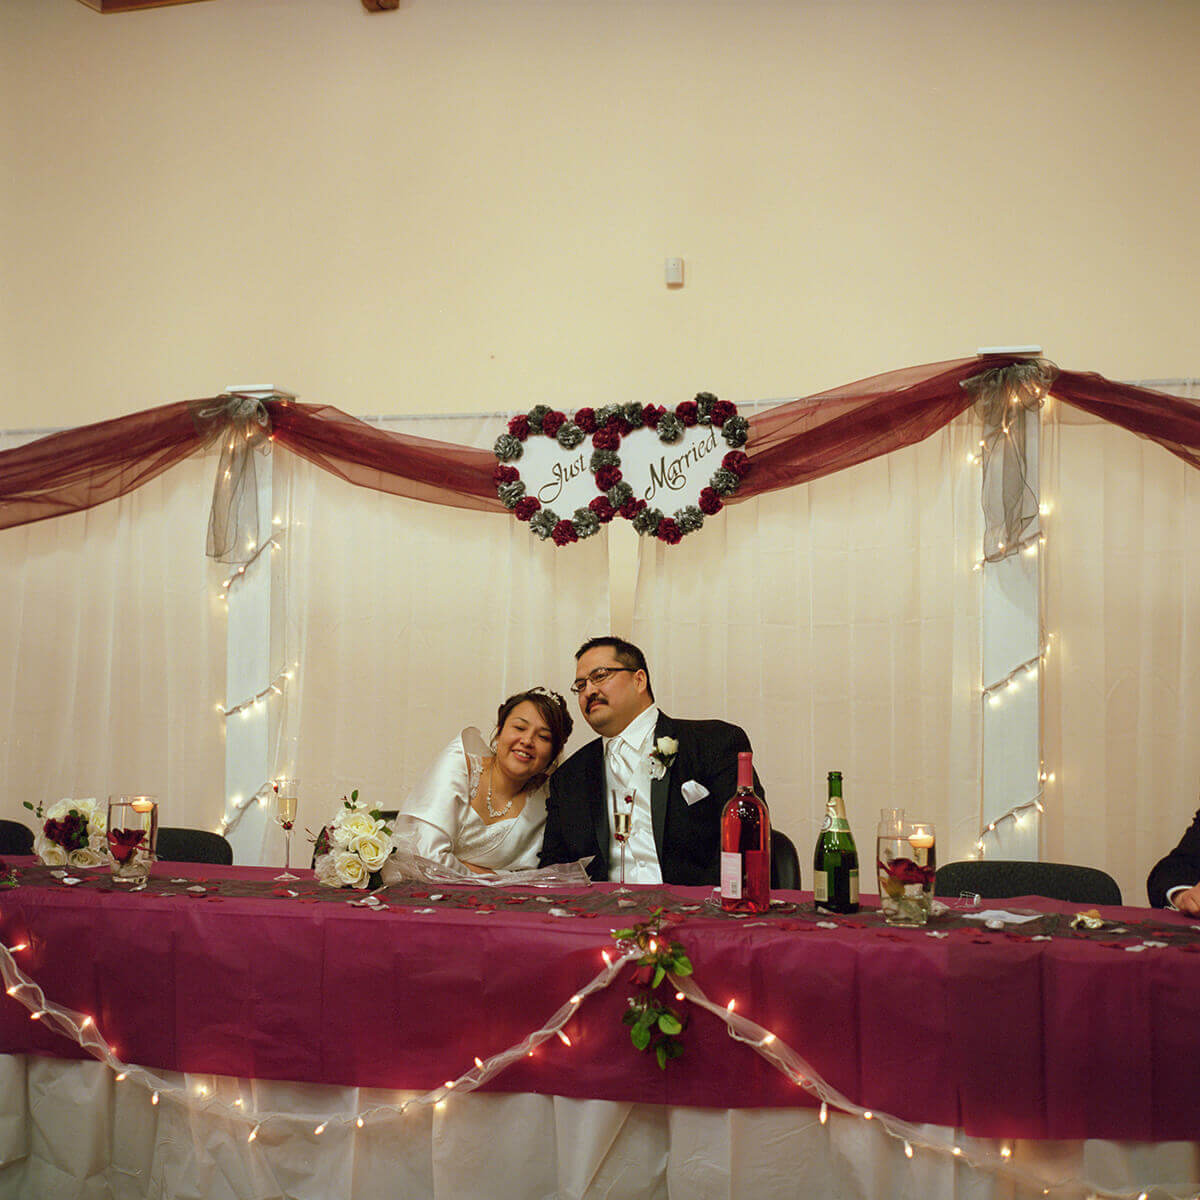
(482, 808)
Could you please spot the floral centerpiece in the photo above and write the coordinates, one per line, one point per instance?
(72, 834)
(353, 846)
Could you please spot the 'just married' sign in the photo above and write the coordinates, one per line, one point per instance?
(664, 471)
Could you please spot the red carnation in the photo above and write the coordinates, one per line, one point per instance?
(504, 474)
(631, 508)
(519, 428)
(720, 412)
(737, 462)
(585, 418)
(526, 507)
(601, 507)
(608, 438)
(564, 532)
(688, 412)
(710, 502)
(70, 832)
(651, 414)
(608, 477)
(552, 422)
(669, 532)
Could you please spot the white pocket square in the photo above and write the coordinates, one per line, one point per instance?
(693, 791)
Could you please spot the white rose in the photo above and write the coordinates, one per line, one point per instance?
(87, 808)
(85, 859)
(667, 746)
(56, 812)
(327, 871)
(373, 849)
(51, 853)
(350, 869)
(353, 823)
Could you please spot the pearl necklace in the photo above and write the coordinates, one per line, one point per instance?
(496, 813)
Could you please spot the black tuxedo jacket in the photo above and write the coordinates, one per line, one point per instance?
(1180, 868)
(688, 836)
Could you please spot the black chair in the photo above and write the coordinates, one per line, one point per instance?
(15, 838)
(997, 879)
(785, 862)
(176, 844)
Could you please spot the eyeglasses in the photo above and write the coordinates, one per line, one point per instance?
(596, 678)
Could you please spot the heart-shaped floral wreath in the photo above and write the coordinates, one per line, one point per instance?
(607, 426)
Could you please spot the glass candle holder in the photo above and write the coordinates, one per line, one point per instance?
(906, 857)
(132, 836)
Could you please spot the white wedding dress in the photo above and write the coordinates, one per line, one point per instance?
(437, 821)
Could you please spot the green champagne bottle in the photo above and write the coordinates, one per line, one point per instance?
(835, 860)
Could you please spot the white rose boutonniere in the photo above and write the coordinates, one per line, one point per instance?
(662, 756)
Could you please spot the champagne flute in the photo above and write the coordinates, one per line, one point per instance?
(287, 795)
(622, 825)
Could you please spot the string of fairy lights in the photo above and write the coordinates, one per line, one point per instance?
(238, 804)
(986, 1155)
(1029, 673)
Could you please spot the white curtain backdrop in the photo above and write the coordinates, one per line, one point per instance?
(1122, 688)
(112, 654)
(838, 622)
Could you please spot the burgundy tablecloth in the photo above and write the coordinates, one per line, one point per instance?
(1002, 1035)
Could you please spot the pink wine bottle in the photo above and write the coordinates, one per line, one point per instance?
(745, 845)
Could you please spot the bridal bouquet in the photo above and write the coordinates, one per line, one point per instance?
(73, 834)
(353, 846)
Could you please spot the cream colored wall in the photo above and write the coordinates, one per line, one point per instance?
(464, 205)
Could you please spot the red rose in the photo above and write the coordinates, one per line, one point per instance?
(608, 438)
(504, 474)
(601, 507)
(564, 532)
(737, 462)
(585, 418)
(631, 508)
(651, 413)
(608, 477)
(669, 532)
(720, 412)
(526, 507)
(123, 842)
(688, 412)
(519, 428)
(904, 870)
(710, 501)
(552, 422)
(621, 425)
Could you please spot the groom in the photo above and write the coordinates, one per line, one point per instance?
(678, 773)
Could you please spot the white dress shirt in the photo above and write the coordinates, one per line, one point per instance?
(627, 773)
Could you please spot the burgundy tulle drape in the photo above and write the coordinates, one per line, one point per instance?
(795, 442)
